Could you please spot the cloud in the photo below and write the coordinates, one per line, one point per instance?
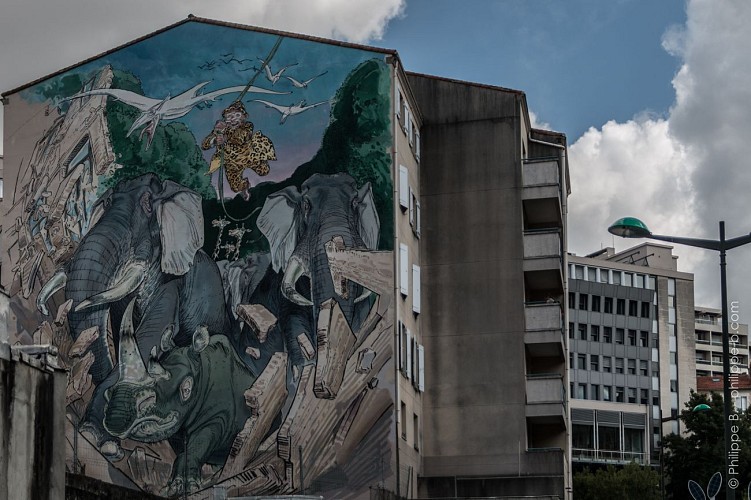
(536, 123)
(685, 173)
(39, 38)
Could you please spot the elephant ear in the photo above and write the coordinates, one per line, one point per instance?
(180, 219)
(369, 224)
(278, 223)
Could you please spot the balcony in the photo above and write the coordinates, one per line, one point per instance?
(544, 333)
(546, 398)
(608, 457)
(543, 261)
(541, 193)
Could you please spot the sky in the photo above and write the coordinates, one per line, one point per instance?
(653, 96)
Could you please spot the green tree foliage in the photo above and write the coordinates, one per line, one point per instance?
(628, 483)
(700, 452)
(173, 154)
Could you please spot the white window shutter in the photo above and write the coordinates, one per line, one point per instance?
(404, 269)
(406, 119)
(411, 207)
(403, 186)
(411, 133)
(409, 354)
(398, 100)
(400, 357)
(417, 145)
(417, 218)
(421, 364)
(416, 288)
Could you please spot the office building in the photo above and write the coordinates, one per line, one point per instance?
(276, 264)
(631, 352)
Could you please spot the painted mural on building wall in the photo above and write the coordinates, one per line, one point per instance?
(204, 231)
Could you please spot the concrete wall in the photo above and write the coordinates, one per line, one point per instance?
(473, 288)
(168, 221)
(32, 429)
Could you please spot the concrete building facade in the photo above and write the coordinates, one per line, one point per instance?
(708, 329)
(631, 352)
(493, 250)
(313, 274)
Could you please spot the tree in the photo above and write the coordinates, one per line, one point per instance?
(626, 483)
(700, 452)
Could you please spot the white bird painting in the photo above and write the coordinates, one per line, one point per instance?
(291, 110)
(270, 75)
(169, 108)
(303, 84)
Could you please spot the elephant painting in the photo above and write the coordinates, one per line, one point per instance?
(146, 247)
(298, 224)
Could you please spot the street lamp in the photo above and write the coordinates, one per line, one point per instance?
(631, 227)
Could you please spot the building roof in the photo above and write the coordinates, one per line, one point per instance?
(193, 19)
(713, 383)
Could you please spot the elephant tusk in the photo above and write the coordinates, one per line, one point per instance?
(132, 369)
(55, 283)
(295, 269)
(364, 295)
(131, 279)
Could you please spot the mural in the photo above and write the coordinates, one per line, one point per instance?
(216, 267)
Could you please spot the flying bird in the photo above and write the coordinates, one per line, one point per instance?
(291, 110)
(274, 77)
(169, 108)
(303, 85)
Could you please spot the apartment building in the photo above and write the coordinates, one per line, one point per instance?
(708, 328)
(383, 262)
(631, 352)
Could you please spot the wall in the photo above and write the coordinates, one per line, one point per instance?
(32, 429)
(203, 225)
(473, 286)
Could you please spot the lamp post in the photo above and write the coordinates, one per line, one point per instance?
(630, 227)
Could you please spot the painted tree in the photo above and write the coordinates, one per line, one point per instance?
(699, 453)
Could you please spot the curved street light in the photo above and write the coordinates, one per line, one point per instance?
(631, 227)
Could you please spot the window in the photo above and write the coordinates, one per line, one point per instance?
(633, 308)
(673, 386)
(583, 301)
(582, 358)
(607, 364)
(632, 395)
(632, 337)
(603, 275)
(741, 403)
(632, 367)
(645, 309)
(416, 430)
(643, 368)
(620, 306)
(619, 336)
(594, 392)
(606, 393)
(583, 332)
(616, 277)
(594, 333)
(582, 436)
(628, 279)
(581, 391)
(643, 338)
(571, 330)
(607, 334)
(571, 360)
(608, 438)
(633, 440)
(608, 305)
(619, 394)
(618, 365)
(591, 274)
(404, 421)
(596, 303)
(639, 283)
(644, 396)
(571, 300)
(594, 362)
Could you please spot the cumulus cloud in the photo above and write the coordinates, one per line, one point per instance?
(39, 38)
(683, 174)
(535, 122)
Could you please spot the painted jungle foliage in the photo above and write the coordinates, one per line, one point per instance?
(202, 224)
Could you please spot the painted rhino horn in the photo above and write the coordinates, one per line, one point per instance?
(155, 369)
(55, 283)
(130, 280)
(132, 369)
(294, 271)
